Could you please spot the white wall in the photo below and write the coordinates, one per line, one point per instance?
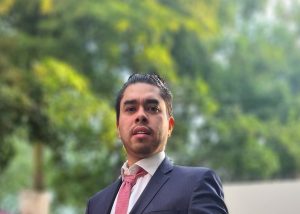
(278, 197)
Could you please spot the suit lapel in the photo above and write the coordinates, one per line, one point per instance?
(110, 197)
(159, 178)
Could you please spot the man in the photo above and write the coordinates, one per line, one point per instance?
(144, 123)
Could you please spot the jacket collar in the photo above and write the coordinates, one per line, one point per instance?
(112, 192)
(160, 177)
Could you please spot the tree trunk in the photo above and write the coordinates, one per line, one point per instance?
(38, 176)
(36, 200)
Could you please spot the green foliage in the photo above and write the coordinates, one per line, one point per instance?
(284, 141)
(18, 175)
(242, 145)
(13, 107)
(87, 130)
(67, 95)
(234, 76)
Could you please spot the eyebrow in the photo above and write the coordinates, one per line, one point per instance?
(129, 102)
(147, 102)
(151, 101)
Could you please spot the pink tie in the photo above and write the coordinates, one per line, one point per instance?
(125, 191)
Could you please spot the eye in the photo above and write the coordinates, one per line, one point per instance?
(153, 109)
(130, 109)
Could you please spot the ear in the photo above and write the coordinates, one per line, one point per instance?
(171, 125)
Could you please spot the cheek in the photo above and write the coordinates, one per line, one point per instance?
(161, 125)
(123, 127)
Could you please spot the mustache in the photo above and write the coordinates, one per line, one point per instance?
(141, 129)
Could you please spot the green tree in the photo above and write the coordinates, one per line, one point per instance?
(234, 75)
(77, 126)
(14, 105)
(254, 72)
(87, 132)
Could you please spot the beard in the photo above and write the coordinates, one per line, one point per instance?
(143, 148)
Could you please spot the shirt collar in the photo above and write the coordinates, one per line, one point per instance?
(149, 164)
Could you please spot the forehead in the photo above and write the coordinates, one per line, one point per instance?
(142, 91)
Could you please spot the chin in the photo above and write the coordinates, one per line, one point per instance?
(144, 151)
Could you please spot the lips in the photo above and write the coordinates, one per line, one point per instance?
(141, 130)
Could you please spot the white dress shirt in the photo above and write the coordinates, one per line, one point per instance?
(150, 165)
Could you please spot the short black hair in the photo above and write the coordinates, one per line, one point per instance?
(149, 78)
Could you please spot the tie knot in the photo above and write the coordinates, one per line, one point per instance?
(131, 179)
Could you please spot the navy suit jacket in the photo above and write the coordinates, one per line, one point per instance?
(172, 190)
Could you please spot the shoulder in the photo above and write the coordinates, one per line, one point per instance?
(198, 175)
(207, 192)
(193, 172)
(104, 193)
(103, 199)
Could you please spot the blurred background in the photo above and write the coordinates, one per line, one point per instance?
(233, 67)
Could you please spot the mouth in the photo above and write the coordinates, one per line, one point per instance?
(141, 131)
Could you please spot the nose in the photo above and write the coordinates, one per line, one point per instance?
(141, 116)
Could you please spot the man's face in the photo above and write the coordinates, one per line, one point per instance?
(144, 124)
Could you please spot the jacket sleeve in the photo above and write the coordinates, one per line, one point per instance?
(208, 196)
